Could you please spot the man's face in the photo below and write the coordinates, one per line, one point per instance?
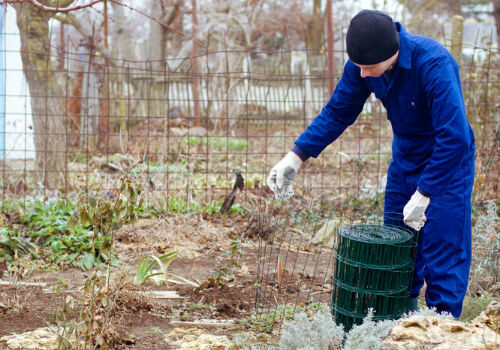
(376, 70)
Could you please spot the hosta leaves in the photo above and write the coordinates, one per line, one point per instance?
(87, 261)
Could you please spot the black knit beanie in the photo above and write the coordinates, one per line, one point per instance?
(371, 38)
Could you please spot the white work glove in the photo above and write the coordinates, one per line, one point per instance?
(282, 175)
(414, 211)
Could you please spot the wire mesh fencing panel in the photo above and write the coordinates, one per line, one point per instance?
(84, 122)
(481, 89)
(295, 254)
(95, 119)
(311, 251)
(373, 270)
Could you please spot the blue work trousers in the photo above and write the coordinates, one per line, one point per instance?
(444, 248)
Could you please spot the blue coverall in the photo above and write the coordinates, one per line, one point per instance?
(432, 150)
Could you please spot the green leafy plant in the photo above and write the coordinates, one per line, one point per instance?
(201, 306)
(12, 245)
(237, 252)
(47, 219)
(48, 225)
(103, 213)
(175, 205)
(155, 332)
(217, 143)
(212, 207)
(146, 264)
(237, 208)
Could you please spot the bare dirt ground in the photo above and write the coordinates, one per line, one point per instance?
(203, 247)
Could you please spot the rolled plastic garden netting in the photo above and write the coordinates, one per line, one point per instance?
(374, 265)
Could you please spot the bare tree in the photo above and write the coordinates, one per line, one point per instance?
(46, 103)
(121, 31)
(155, 40)
(315, 27)
(496, 15)
(158, 32)
(229, 27)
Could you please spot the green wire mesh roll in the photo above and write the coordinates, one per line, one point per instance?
(374, 267)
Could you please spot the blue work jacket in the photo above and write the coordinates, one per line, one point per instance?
(424, 104)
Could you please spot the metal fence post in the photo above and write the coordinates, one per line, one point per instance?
(2, 86)
(90, 104)
(457, 35)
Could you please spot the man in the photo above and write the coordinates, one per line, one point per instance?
(431, 172)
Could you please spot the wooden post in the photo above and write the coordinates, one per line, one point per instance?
(122, 108)
(194, 62)
(457, 35)
(104, 107)
(62, 48)
(105, 24)
(330, 47)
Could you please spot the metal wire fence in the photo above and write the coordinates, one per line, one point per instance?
(353, 261)
(90, 119)
(76, 121)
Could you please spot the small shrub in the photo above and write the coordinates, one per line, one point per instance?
(320, 333)
(486, 248)
(426, 311)
(12, 245)
(474, 305)
(108, 300)
(369, 334)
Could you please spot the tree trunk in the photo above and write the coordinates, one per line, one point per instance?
(314, 36)
(47, 100)
(169, 18)
(121, 33)
(154, 50)
(496, 15)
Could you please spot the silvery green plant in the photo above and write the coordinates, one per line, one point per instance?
(426, 311)
(319, 333)
(488, 240)
(368, 335)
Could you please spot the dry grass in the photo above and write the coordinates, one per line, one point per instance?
(188, 234)
(20, 297)
(105, 306)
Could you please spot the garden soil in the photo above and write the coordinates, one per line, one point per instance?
(203, 246)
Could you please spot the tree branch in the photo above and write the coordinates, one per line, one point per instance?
(58, 8)
(57, 3)
(160, 23)
(173, 13)
(73, 21)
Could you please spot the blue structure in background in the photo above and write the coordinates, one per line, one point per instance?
(2, 84)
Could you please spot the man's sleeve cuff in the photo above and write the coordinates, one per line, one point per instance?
(423, 193)
(300, 152)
